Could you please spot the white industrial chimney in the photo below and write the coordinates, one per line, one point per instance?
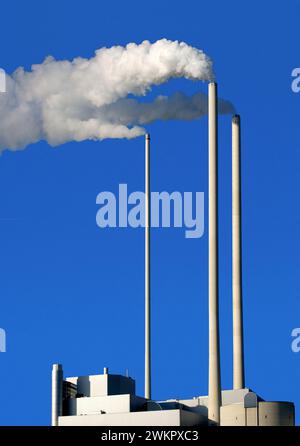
(238, 347)
(57, 393)
(214, 392)
(147, 271)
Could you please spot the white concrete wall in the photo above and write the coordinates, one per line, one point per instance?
(251, 416)
(266, 414)
(228, 397)
(103, 385)
(153, 418)
(107, 404)
(96, 404)
(233, 415)
(94, 385)
(276, 414)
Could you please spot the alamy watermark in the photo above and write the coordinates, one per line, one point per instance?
(174, 209)
(296, 81)
(296, 341)
(2, 340)
(2, 81)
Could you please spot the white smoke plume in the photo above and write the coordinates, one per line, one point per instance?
(177, 106)
(61, 101)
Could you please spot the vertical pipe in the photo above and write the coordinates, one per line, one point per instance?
(214, 344)
(57, 393)
(238, 348)
(147, 271)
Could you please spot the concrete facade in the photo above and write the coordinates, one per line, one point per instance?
(151, 418)
(264, 414)
(102, 385)
(103, 404)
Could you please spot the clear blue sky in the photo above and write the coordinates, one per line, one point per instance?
(73, 293)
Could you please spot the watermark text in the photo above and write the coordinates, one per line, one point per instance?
(174, 209)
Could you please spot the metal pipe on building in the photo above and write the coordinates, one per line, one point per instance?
(147, 272)
(57, 393)
(214, 392)
(238, 347)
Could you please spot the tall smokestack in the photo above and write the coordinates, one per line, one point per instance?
(147, 271)
(57, 393)
(238, 347)
(214, 393)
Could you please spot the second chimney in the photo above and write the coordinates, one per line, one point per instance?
(238, 347)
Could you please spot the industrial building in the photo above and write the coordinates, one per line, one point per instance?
(110, 400)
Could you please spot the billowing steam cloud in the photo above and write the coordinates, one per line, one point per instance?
(60, 101)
